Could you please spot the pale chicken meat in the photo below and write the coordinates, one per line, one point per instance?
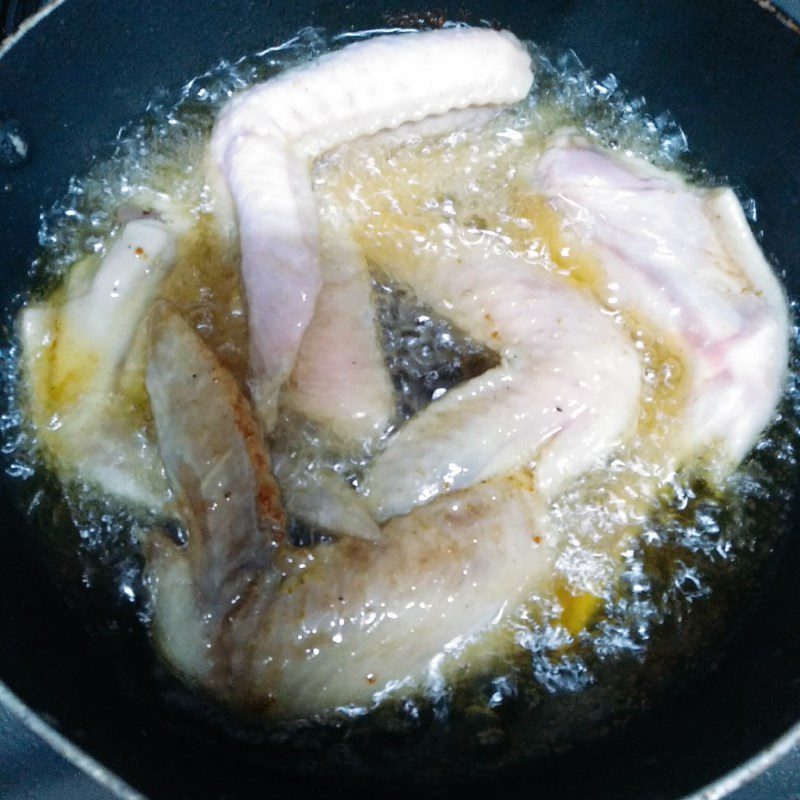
(266, 139)
(339, 378)
(227, 495)
(352, 621)
(76, 352)
(565, 393)
(340, 382)
(684, 260)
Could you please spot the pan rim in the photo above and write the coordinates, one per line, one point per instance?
(754, 766)
(26, 25)
(64, 747)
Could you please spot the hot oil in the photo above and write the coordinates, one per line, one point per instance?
(657, 563)
(205, 285)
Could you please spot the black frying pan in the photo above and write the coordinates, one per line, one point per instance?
(728, 70)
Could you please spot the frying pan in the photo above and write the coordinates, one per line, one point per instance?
(729, 71)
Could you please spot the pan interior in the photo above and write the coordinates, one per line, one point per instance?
(85, 675)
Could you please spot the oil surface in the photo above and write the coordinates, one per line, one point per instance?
(645, 594)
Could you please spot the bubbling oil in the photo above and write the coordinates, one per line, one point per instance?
(647, 581)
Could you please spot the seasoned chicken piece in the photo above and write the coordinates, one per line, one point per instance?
(354, 622)
(340, 379)
(564, 395)
(683, 260)
(216, 459)
(74, 350)
(266, 139)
